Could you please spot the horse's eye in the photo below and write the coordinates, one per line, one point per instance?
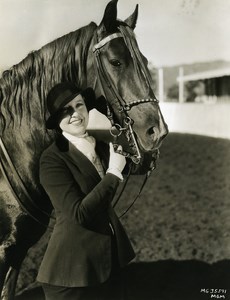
(115, 62)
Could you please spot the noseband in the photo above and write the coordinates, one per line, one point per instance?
(107, 85)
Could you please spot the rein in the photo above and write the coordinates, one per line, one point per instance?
(123, 107)
(18, 188)
(138, 194)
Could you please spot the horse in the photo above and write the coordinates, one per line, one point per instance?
(104, 57)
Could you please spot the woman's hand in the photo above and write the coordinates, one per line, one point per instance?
(116, 160)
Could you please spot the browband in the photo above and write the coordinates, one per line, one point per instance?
(106, 40)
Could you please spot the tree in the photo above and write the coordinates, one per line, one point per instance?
(173, 93)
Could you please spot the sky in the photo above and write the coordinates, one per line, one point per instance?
(169, 32)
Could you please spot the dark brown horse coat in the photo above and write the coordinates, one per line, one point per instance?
(79, 251)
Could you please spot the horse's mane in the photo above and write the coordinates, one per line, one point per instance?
(27, 83)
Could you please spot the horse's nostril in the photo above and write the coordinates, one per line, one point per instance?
(151, 131)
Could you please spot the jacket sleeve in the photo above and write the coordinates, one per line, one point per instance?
(66, 195)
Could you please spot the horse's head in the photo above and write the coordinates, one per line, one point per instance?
(123, 78)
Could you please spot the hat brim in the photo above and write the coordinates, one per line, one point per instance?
(89, 97)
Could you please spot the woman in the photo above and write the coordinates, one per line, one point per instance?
(88, 245)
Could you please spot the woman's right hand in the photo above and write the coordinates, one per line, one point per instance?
(116, 160)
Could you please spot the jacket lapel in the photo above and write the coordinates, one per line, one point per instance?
(85, 166)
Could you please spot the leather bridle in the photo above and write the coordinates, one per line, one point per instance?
(110, 92)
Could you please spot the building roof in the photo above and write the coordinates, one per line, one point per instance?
(205, 75)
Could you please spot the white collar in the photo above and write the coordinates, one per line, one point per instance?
(74, 139)
(84, 143)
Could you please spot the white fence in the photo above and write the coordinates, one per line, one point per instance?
(199, 118)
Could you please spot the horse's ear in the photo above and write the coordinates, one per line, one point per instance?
(132, 20)
(109, 20)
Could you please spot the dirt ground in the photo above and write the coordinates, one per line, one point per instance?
(180, 226)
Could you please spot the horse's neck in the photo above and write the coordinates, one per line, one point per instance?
(73, 49)
(24, 88)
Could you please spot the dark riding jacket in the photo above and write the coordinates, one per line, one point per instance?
(79, 250)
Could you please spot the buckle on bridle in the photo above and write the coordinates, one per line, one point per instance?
(123, 107)
(118, 129)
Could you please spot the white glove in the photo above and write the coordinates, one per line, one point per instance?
(117, 161)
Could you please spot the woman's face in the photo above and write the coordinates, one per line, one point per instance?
(76, 122)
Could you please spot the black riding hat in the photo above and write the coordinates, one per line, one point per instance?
(63, 93)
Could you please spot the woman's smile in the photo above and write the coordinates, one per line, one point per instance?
(76, 122)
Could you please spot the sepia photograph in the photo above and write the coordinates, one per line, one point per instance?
(114, 150)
